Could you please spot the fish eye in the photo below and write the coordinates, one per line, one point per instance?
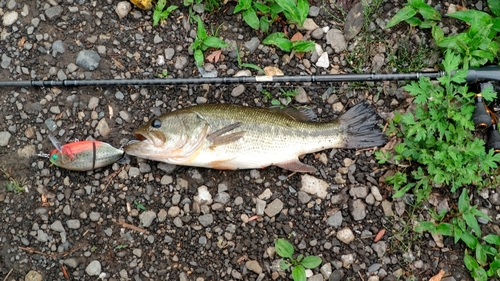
(156, 124)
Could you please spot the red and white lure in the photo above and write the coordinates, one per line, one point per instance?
(83, 155)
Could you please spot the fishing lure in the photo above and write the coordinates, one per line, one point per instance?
(83, 155)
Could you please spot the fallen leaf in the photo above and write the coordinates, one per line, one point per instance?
(214, 56)
(143, 4)
(273, 71)
(438, 276)
(379, 236)
(296, 37)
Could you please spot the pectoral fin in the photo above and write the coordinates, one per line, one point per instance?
(223, 136)
(296, 166)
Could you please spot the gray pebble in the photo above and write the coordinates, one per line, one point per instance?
(317, 33)
(222, 197)
(345, 235)
(252, 45)
(326, 270)
(178, 222)
(314, 11)
(181, 62)
(4, 138)
(335, 220)
(73, 224)
(147, 218)
(374, 267)
(206, 220)
(174, 211)
(254, 266)
(11, 4)
(57, 48)
(133, 172)
(166, 179)
(379, 248)
(108, 231)
(6, 60)
(274, 208)
(315, 277)
(53, 13)
(88, 59)
(304, 198)
(57, 226)
(93, 103)
(162, 215)
(94, 268)
(94, 216)
(157, 39)
(358, 192)
(71, 262)
(357, 209)
(169, 53)
(238, 90)
(336, 39)
(103, 127)
(42, 236)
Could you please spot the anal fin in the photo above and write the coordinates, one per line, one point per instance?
(296, 166)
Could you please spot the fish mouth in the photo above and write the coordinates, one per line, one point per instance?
(156, 139)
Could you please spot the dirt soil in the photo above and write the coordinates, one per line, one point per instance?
(143, 220)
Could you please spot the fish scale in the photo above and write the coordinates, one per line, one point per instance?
(224, 136)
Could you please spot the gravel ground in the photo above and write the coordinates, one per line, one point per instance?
(152, 221)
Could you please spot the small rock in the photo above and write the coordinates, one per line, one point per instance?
(260, 205)
(377, 62)
(326, 270)
(147, 217)
(206, 220)
(357, 209)
(103, 128)
(94, 268)
(254, 266)
(345, 235)
(387, 208)
(33, 276)
(53, 13)
(93, 103)
(174, 211)
(304, 198)
(274, 208)
(73, 224)
(266, 194)
(335, 220)
(252, 45)
(317, 33)
(4, 138)
(376, 193)
(94, 216)
(203, 197)
(314, 11)
(238, 90)
(358, 192)
(57, 226)
(88, 59)
(123, 8)
(355, 20)
(323, 60)
(380, 248)
(347, 260)
(181, 62)
(57, 48)
(336, 39)
(309, 24)
(314, 186)
(9, 18)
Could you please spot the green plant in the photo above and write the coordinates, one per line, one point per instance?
(479, 44)
(250, 11)
(209, 5)
(484, 262)
(13, 184)
(408, 13)
(438, 137)
(280, 40)
(160, 14)
(139, 206)
(93, 249)
(203, 42)
(285, 250)
(121, 246)
(163, 74)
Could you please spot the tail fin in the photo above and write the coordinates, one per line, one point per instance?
(358, 123)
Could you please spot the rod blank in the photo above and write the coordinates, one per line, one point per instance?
(473, 76)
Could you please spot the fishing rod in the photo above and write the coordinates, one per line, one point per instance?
(473, 76)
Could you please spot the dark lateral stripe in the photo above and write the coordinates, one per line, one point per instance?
(93, 155)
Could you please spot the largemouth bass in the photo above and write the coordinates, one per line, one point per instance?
(229, 137)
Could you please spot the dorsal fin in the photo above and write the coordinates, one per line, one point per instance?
(302, 114)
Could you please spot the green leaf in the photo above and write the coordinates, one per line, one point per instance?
(299, 273)
(494, 267)
(425, 226)
(471, 221)
(283, 248)
(494, 7)
(198, 57)
(445, 229)
(479, 274)
(284, 264)
(264, 24)
(469, 240)
(202, 32)
(402, 15)
(278, 39)
(311, 262)
(473, 17)
(303, 10)
(463, 201)
(214, 42)
(139, 206)
(428, 12)
(303, 46)
(470, 262)
(481, 257)
(242, 5)
(252, 66)
(492, 239)
(261, 7)
(250, 17)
